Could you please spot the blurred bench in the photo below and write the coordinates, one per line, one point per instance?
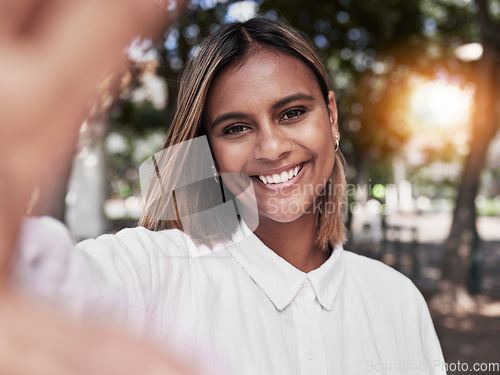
(393, 238)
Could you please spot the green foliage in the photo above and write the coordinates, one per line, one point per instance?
(138, 119)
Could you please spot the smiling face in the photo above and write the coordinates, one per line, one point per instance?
(267, 118)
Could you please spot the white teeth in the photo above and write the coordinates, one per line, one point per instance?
(284, 176)
(280, 178)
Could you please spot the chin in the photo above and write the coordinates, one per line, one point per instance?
(284, 212)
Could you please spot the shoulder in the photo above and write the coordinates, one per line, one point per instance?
(373, 278)
(139, 239)
(137, 251)
(389, 294)
(52, 236)
(394, 310)
(47, 252)
(365, 268)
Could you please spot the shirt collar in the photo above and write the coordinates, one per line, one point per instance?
(281, 281)
(327, 279)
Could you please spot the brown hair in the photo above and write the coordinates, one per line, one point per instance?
(228, 44)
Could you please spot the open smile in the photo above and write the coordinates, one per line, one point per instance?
(278, 178)
(282, 179)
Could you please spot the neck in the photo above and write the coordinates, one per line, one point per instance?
(293, 241)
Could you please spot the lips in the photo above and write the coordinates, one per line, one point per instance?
(279, 178)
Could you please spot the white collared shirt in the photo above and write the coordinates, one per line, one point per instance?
(241, 309)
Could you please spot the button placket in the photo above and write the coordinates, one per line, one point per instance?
(311, 340)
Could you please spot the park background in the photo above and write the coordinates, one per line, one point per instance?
(417, 88)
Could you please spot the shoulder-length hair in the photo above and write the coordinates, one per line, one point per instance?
(228, 44)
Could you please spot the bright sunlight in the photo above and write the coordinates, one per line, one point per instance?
(440, 103)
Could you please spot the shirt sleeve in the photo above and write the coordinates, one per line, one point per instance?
(417, 318)
(430, 339)
(116, 280)
(91, 279)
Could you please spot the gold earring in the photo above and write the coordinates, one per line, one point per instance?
(337, 146)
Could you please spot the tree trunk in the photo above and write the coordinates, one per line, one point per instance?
(452, 295)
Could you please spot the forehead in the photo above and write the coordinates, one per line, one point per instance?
(262, 78)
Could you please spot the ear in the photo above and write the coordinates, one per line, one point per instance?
(332, 112)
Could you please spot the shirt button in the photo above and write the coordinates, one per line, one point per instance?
(311, 354)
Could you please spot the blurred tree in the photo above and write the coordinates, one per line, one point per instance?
(453, 293)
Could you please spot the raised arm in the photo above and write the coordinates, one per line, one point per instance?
(52, 54)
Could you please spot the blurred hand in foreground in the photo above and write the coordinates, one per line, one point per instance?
(52, 54)
(36, 340)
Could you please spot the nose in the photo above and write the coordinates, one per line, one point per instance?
(272, 142)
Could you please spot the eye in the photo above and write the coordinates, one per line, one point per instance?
(292, 113)
(235, 129)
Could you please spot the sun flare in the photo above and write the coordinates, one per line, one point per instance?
(439, 103)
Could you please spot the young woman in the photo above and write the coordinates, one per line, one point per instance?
(280, 296)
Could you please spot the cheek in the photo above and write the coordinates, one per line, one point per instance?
(322, 144)
(229, 158)
(318, 139)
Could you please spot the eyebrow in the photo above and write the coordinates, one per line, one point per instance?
(227, 116)
(278, 104)
(292, 98)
